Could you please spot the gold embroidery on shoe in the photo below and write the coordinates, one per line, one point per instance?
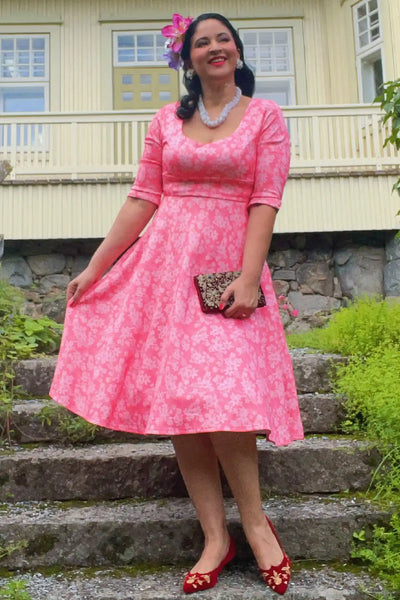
(276, 578)
(197, 579)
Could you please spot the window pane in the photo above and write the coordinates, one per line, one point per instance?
(363, 25)
(126, 55)
(249, 37)
(281, 37)
(266, 52)
(23, 58)
(364, 39)
(22, 71)
(266, 66)
(22, 43)
(266, 37)
(372, 5)
(38, 57)
(361, 11)
(127, 79)
(375, 34)
(145, 79)
(249, 53)
(281, 65)
(127, 96)
(7, 44)
(145, 41)
(374, 19)
(8, 58)
(281, 51)
(7, 72)
(165, 96)
(38, 71)
(164, 79)
(145, 54)
(372, 76)
(126, 41)
(38, 43)
(279, 91)
(23, 99)
(146, 96)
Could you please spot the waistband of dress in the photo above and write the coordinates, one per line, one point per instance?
(235, 199)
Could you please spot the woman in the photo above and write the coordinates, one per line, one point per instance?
(138, 354)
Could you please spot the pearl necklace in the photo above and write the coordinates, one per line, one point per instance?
(205, 117)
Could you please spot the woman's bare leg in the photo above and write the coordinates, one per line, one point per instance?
(199, 467)
(237, 454)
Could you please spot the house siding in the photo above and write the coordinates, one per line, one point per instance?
(81, 81)
(86, 210)
(328, 58)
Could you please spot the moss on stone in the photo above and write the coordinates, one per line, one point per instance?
(41, 544)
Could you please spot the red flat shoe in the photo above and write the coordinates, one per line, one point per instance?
(196, 582)
(277, 577)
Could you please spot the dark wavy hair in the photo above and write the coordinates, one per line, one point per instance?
(244, 78)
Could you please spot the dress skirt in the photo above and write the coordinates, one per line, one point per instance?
(137, 353)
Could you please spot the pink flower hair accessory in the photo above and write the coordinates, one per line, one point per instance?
(176, 35)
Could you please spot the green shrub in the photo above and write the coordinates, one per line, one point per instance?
(72, 428)
(356, 330)
(382, 552)
(20, 337)
(368, 332)
(15, 590)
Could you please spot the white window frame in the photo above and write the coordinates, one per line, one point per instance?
(368, 51)
(15, 36)
(134, 63)
(275, 77)
(23, 83)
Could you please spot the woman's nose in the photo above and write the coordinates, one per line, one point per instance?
(214, 46)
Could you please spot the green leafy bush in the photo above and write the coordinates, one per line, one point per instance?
(368, 332)
(20, 337)
(390, 104)
(382, 551)
(72, 428)
(15, 590)
(357, 330)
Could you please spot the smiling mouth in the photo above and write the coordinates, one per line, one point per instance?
(217, 61)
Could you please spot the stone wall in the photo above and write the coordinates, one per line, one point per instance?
(315, 273)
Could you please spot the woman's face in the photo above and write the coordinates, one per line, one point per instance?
(213, 52)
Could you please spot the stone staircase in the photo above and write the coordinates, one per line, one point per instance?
(101, 521)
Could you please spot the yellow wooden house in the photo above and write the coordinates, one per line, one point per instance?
(81, 80)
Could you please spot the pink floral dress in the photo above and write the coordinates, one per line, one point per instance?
(138, 354)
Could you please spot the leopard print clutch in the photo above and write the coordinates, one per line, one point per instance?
(210, 287)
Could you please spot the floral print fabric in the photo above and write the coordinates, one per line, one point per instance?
(138, 354)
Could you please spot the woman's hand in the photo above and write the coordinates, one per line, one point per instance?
(245, 295)
(80, 284)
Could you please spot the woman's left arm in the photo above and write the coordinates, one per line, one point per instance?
(258, 239)
(271, 172)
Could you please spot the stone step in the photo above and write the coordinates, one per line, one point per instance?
(312, 372)
(321, 413)
(166, 531)
(240, 581)
(146, 470)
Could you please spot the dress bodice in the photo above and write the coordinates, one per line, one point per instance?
(248, 166)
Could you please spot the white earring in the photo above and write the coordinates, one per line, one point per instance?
(239, 64)
(190, 73)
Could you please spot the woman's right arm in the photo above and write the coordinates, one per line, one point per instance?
(131, 219)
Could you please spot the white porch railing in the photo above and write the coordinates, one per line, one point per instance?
(109, 144)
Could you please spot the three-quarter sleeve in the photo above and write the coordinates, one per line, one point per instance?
(273, 159)
(148, 181)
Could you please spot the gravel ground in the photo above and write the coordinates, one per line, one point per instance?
(235, 583)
